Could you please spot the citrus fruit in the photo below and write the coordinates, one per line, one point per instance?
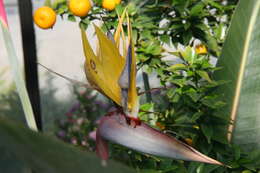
(189, 141)
(160, 125)
(44, 17)
(110, 4)
(79, 7)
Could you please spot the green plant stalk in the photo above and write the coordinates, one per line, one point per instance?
(18, 78)
(147, 87)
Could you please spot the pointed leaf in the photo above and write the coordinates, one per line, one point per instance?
(177, 67)
(204, 75)
(44, 154)
(208, 132)
(240, 61)
(16, 70)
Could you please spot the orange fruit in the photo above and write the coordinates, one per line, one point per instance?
(110, 4)
(160, 125)
(80, 8)
(189, 141)
(44, 17)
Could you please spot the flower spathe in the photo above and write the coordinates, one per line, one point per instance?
(116, 127)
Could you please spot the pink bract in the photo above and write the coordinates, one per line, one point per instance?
(3, 17)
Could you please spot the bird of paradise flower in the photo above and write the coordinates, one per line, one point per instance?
(114, 75)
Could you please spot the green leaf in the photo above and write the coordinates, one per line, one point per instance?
(212, 44)
(194, 95)
(209, 168)
(177, 67)
(47, 3)
(189, 55)
(62, 9)
(187, 37)
(197, 9)
(176, 26)
(176, 53)
(207, 131)
(61, 4)
(18, 78)
(200, 168)
(240, 61)
(166, 39)
(220, 135)
(192, 166)
(187, 25)
(237, 152)
(220, 31)
(83, 25)
(214, 4)
(146, 106)
(71, 18)
(45, 154)
(119, 9)
(196, 116)
(149, 171)
(204, 75)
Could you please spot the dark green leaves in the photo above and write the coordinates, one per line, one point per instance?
(43, 154)
(197, 9)
(208, 131)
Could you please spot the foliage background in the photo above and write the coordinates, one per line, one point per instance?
(186, 106)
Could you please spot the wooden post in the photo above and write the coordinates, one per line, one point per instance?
(30, 58)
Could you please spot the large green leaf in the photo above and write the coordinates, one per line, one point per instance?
(18, 77)
(44, 154)
(240, 62)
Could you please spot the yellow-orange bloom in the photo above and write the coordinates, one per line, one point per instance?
(201, 49)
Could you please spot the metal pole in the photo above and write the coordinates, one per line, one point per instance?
(30, 58)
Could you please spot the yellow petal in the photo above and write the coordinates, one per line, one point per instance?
(119, 29)
(94, 69)
(133, 100)
(112, 64)
(104, 69)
